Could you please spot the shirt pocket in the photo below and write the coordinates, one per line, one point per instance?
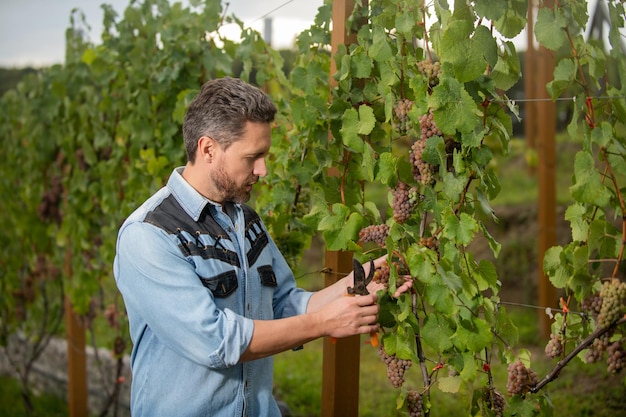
(268, 278)
(221, 285)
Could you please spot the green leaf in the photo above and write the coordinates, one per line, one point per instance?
(453, 186)
(555, 264)
(470, 50)
(564, 75)
(387, 168)
(486, 275)
(449, 384)
(473, 335)
(574, 214)
(380, 50)
(437, 332)
(361, 65)
(461, 229)
(440, 297)
(588, 187)
(453, 108)
(513, 21)
(549, 28)
(421, 263)
(507, 71)
(367, 120)
(350, 130)
(490, 9)
(603, 135)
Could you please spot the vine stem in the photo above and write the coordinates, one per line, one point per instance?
(420, 354)
(622, 205)
(554, 373)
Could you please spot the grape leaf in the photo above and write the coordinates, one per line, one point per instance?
(437, 332)
(453, 108)
(556, 265)
(549, 28)
(470, 50)
(507, 71)
(450, 384)
(588, 187)
(473, 335)
(350, 130)
(460, 230)
(380, 49)
(486, 275)
(513, 21)
(564, 75)
(367, 120)
(574, 214)
(387, 168)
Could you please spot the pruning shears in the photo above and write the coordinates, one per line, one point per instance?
(360, 280)
(360, 287)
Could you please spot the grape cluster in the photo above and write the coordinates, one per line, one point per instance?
(49, 209)
(520, 378)
(428, 126)
(423, 172)
(592, 304)
(381, 275)
(401, 111)
(414, 404)
(430, 70)
(396, 367)
(430, 242)
(495, 401)
(613, 294)
(554, 348)
(375, 233)
(404, 200)
(597, 348)
(616, 357)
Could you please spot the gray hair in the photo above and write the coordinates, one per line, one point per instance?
(220, 111)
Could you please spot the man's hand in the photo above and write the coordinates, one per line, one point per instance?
(405, 281)
(349, 316)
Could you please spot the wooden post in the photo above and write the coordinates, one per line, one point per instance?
(76, 356)
(546, 178)
(530, 121)
(341, 358)
(340, 365)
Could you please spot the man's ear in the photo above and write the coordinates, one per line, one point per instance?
(206, 148)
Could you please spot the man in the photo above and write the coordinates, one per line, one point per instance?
(209, 296)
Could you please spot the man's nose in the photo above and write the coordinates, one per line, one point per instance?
(260, 168)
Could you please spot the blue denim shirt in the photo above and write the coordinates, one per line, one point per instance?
(193, 280)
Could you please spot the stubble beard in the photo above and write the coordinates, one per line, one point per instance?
(228, 188)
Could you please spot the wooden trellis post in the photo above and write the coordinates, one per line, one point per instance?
(340, 367)
(76, 355)
(543, 128)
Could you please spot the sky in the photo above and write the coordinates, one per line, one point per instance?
(32, 32)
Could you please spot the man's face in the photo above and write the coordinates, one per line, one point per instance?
(239, 167)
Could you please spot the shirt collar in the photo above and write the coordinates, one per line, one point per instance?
(189, 199)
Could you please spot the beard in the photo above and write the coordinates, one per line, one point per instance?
(229, 190)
